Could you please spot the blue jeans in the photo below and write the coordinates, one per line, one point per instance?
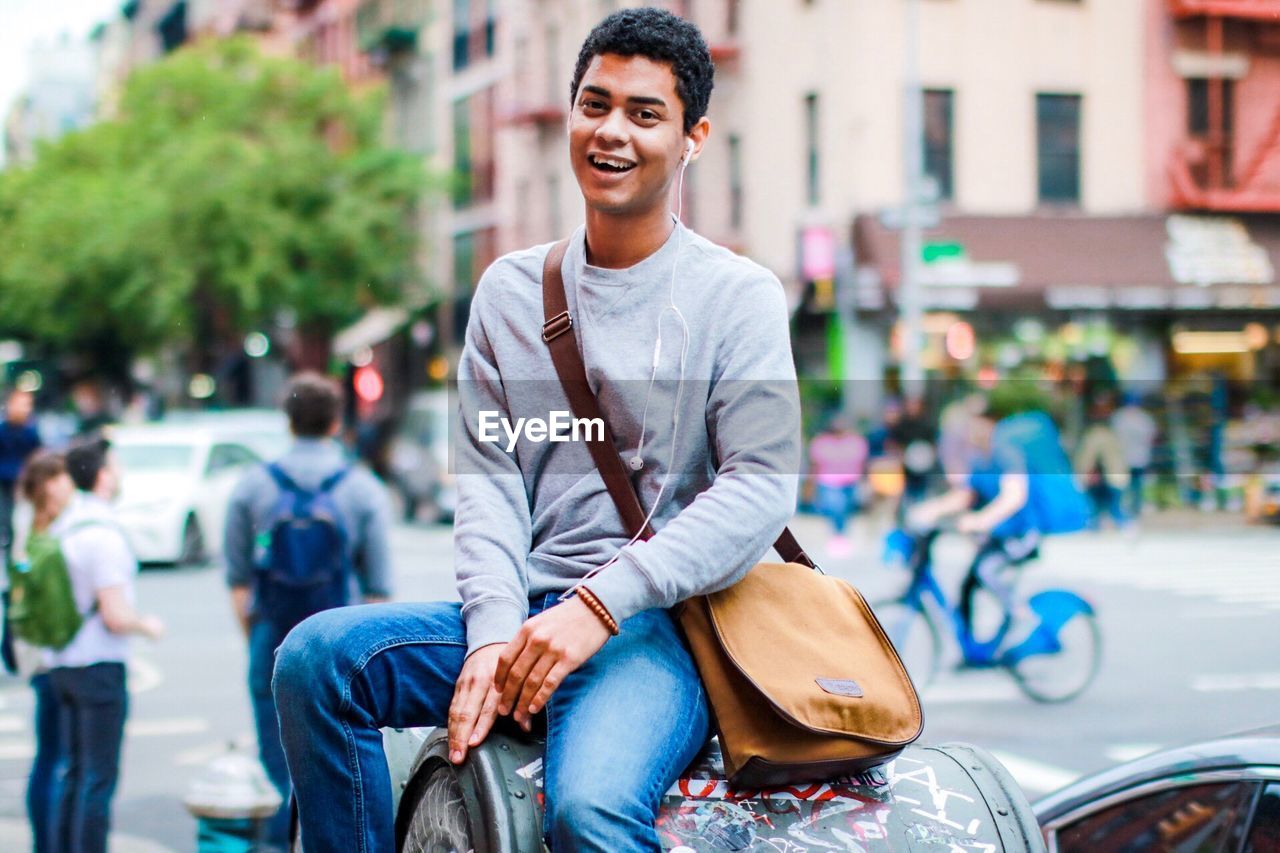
(44, 789)
(836, 503)
(94, 704)
(264, 639)
(620, 729)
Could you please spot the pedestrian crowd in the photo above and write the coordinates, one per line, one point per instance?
(906, 456)
(310, 520)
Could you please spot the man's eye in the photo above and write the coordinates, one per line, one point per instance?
(592, 105)
(648, 115)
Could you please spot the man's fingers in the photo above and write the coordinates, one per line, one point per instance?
(516, 675)
(462, 719)
(484, 723)
(509, 655)
(533, 684)
(549, 684)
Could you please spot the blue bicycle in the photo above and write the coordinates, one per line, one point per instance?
(1053, 651)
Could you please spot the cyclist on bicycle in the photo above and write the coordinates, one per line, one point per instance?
(993, 501)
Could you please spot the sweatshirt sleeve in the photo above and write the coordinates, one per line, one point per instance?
(753, 424)
(493, 523)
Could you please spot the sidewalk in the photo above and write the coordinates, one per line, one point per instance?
(14, 835)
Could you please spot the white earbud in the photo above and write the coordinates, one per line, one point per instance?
(688, 152)
(636, 463)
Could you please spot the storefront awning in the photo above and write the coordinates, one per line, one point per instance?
(373, 328)
(1066, 262)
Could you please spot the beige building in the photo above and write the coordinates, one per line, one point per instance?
(1031, 106)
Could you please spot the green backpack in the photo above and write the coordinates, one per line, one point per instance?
(42, 607)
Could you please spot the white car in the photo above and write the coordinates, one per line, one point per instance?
(175, 485)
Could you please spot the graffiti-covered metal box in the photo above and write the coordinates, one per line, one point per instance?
(951, 797)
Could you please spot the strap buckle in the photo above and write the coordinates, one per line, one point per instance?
(556, 326)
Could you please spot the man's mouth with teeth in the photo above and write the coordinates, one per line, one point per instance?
(610, 164)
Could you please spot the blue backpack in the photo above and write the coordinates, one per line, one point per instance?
(1054, 496)
(304, 566)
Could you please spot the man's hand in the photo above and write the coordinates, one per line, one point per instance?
(475, 702)
(545, 650)
(241, 596)
(151, 627)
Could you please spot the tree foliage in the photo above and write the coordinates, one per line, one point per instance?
(230, 186)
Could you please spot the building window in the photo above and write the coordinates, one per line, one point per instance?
(938, 131)
(1198, 107)
(473, 148)
(474, 31)
(463, 281)
(813, 175)
(1219, 142)
(473, 251)
(735, 182)
(461, 34)
(1058, 147)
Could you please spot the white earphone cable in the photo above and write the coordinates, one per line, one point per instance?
(675, 413)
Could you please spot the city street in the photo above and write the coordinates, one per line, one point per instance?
(1188, 609)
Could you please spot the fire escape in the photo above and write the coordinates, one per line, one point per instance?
(1208, 172)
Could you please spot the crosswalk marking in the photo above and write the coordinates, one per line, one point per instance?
(1233, 682)
(1122, 752)
(1035, 777)
(1220, 572)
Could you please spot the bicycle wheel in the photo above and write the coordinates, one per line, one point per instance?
(1066, 662)
(913, 634)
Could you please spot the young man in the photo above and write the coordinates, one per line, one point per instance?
(625, 713)
(88, 675)
(313, 405)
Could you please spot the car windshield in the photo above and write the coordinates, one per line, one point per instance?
(154, 457)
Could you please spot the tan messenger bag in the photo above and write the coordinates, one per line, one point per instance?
(802, 680)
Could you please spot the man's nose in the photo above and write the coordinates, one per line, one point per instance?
(613, 129)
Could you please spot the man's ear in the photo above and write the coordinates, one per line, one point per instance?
(698, 136)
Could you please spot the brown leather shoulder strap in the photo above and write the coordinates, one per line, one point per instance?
(557, 332)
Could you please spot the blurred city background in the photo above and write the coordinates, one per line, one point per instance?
(201, 197)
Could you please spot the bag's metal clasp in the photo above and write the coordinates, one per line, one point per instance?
(556, 326)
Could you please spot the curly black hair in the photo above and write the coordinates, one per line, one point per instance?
(663, 37)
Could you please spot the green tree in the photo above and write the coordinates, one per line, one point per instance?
(229, 187)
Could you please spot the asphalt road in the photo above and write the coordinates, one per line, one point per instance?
(1189, 614)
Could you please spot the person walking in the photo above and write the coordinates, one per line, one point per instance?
(263, 514)
(47, 488)
(1101, 465)
(562, 609)
(837, 458)
(18, 440)
(88, 675)
(1136, 431)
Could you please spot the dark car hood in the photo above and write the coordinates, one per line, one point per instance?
(1258, 747)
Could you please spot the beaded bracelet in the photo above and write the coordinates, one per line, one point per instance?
(589, 598)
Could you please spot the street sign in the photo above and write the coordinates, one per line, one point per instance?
(895, 218)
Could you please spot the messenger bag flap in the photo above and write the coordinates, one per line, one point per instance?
(866, 695)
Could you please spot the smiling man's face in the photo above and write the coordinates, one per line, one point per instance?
(626, 134)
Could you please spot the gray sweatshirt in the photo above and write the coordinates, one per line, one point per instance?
(359, 496)
(537, 518)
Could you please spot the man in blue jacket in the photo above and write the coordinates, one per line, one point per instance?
(314, 405)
